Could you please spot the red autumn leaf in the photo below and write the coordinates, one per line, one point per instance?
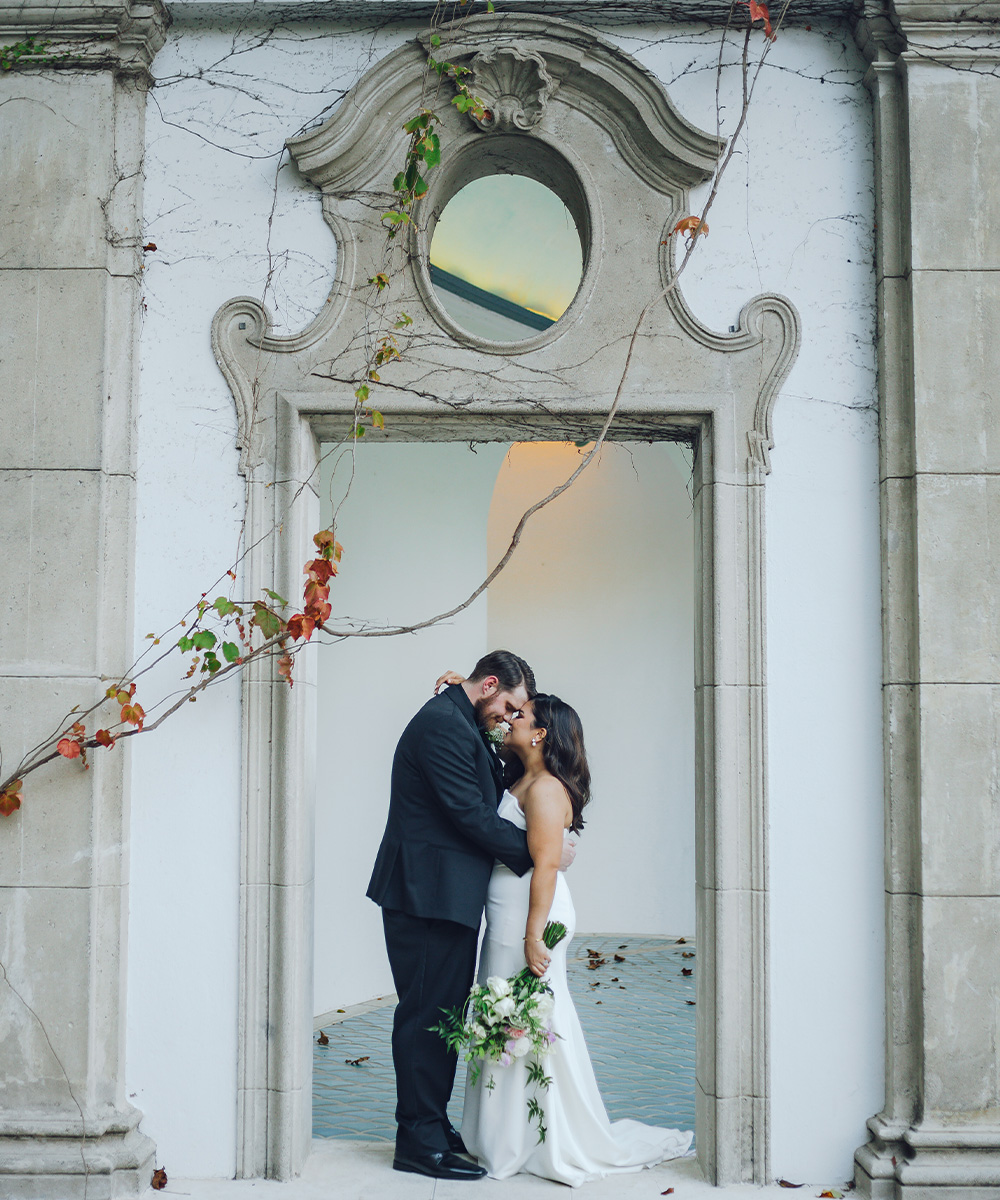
(668, 1192)
(68, 748)
(103, 738)
(316, 593)
(320, 570)
(301, 626)
(133, 714)
(159, 1180)
(691, 225)
(323, 539)
(758, 12)
(319, 612)
(285, 668)
(10, 797)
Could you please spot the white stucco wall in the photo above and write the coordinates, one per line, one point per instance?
(794, 216)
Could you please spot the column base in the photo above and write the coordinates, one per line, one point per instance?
(928, 1163)
(44, 1157)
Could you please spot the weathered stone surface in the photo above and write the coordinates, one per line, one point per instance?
(50, 527)
(57, 177)
(52, 396)
(897, 504)
(957, 369)
(961, 1017)
(960, 788)
(954, 122)
(958, 577)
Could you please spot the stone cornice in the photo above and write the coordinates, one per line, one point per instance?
(959, 35)
(123, 36)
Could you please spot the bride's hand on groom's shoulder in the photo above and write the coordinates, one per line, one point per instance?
(448, 677)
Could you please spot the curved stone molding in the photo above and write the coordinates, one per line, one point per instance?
(242, 321)
(753, 317)
(513, 84)
(351, 148)
(750, 331)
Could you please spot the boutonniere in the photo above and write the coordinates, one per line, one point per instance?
(496, 735)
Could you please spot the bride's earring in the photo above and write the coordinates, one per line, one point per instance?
(534, 741)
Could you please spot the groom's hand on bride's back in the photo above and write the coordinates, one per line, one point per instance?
(448, 677)
(568, 854)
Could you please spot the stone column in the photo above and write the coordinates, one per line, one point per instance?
(71, 142)
(935, 79)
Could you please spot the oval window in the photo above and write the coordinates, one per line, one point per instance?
(506, 258)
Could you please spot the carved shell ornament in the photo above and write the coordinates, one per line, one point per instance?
(514, 86)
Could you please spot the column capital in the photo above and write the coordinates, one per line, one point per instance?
(86, 35)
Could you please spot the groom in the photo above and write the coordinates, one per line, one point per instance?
(430, 879)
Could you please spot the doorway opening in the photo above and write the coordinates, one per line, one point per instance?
(599, 598)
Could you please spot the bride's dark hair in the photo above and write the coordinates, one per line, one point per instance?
(563, 750)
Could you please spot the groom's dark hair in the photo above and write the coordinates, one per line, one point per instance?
(510, 671)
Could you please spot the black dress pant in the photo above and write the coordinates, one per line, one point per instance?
(432, 967)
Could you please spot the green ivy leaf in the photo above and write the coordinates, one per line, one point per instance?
(435, 39)
(275, 597)
(212, 663)
(224, 607)
(268, 623)
(204, 639)
(185, 644)
(230, 651)
(362, 392)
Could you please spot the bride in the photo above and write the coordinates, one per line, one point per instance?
(580, 1143)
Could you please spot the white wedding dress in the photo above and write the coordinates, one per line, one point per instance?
(580, 1142)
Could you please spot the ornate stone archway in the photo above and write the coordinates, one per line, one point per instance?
(589, 122)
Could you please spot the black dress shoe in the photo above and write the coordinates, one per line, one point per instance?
(442, 1165)
(455, 1143)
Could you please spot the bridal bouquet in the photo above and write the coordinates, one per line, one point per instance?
(505, 1020)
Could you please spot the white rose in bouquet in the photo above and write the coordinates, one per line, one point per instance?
(478, 1032)
(505, 1006)
(498, 986)
(544, 1005)
(521, 1046)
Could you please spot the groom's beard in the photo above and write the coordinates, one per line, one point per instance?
(483, 720)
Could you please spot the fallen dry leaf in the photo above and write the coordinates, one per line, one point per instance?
(668, 1192)
(356, 1062)
(692, 1002)
(681, 942)
(322, 1040)
(686, 970)
(785, 1183)
(619, 958)
(159, 1180)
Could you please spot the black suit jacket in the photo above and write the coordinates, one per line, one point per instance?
(443, 833)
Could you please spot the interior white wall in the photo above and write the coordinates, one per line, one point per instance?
(599, 598)
(795, 216)
(414, 537)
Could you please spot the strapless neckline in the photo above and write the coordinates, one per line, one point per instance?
(510, 809)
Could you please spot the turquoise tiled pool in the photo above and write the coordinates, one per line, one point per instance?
(637, 1015)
